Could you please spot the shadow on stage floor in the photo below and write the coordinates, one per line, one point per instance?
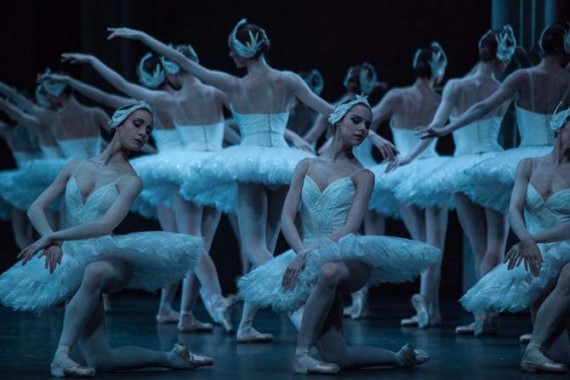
(28, 341)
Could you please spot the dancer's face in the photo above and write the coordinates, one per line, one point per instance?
(354, 126)
(135, 130)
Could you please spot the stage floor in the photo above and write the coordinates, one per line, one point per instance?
(27, 342)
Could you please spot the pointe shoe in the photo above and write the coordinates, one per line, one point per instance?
(63, 366)
(167, 317)
(465, 329)
(549, 367)
(485, 326)
(411, 357)
(524, 338)
(251, 335)
(306, 364)
(360, 308)
(219, 308)
(191, 324)
(419, 303)
(190, 360)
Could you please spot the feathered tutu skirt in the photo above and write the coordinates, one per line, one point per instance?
(515, 290)
(214, 182)
(490, 182)
(157, 259)
(392, 260)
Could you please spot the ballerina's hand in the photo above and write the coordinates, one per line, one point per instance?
(30, 251)
(75, 58)
(527, 252)
(53, 254)
(292, 272)
(123, 33)
(429, 132)
(387, 149)
(397, 162)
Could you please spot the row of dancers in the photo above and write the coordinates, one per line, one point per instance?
(263, 184)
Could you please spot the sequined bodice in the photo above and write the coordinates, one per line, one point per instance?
(477, 137)
(534, 128)
(324, 212)
(208, 137)
(262, 129)
(79, 211)
(85, 147)
(166, 139)
(541, 214)
(406, 140)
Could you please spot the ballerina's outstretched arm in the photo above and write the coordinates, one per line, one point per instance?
(18, 115)
(20, 100)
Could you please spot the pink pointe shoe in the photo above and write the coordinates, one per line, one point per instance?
(184, 359)
(410, 357)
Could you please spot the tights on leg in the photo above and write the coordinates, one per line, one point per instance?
(436, 228)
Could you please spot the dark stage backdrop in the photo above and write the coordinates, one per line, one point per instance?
(328, 35)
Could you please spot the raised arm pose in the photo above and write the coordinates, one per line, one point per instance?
(262, 165)
(85, 259)
(183, 103)
(327, 259)
(537, 91)
(406, 108)
(485, 228)
(538, 216)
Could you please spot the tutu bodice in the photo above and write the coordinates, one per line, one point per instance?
(262, 129)
(166, 139)
(80, 211)
(534, 128)
(543, 214)
(478, 137)
(406, 139)
(208, 137)
(324, 212)
(84, 147)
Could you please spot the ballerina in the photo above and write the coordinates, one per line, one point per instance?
(329, 261)
(407, 108)
(485, 228)
(85, 259)
(194, 115)
(261, 166)
(538, 217)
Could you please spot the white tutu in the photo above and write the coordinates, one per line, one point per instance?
(214, 183)
(382, 199)
(392, 260)
(157, 258)
(490, 182)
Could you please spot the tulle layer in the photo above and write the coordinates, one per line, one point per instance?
(214, 182)
(382, 199)
(157, 259)
(392, 260)
(490, 182)
(515, 290)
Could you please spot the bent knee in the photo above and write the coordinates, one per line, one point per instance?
(330, 274)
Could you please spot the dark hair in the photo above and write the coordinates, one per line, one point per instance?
(488, 47)
(243, 36)
(361, 78)
(552, 39)
(421, 67)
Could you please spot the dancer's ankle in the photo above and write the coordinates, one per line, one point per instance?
(302, 349)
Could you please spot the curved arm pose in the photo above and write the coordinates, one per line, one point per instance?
(329, 229)
(259, 102)
(187, 110)
(99, 193)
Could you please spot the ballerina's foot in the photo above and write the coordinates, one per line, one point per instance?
(181, 358)
(251, 335)
(465, 329)
(486, 326)
(167, 316)
(534, 360)
(63, 366)
(419, 303)
(191, 324)
(306, 364)
(524, 338)
(219, 308)
(410, 357)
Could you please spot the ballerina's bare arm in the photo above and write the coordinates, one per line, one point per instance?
(20, 100)
(291, 206)
(317, 130)
(223, 81)
(114, 78)
(506, 92)
(363, 184)
(526, 250)
(96, 94)
(302, 92)
(17, 115)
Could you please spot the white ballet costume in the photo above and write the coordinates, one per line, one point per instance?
(393, 188)
(85, 147)
(474, 143)
(323, 212)
(6, 180)
(262, 157)
(515, 290)
(150, 167)
(156, 258)
(490, 182)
